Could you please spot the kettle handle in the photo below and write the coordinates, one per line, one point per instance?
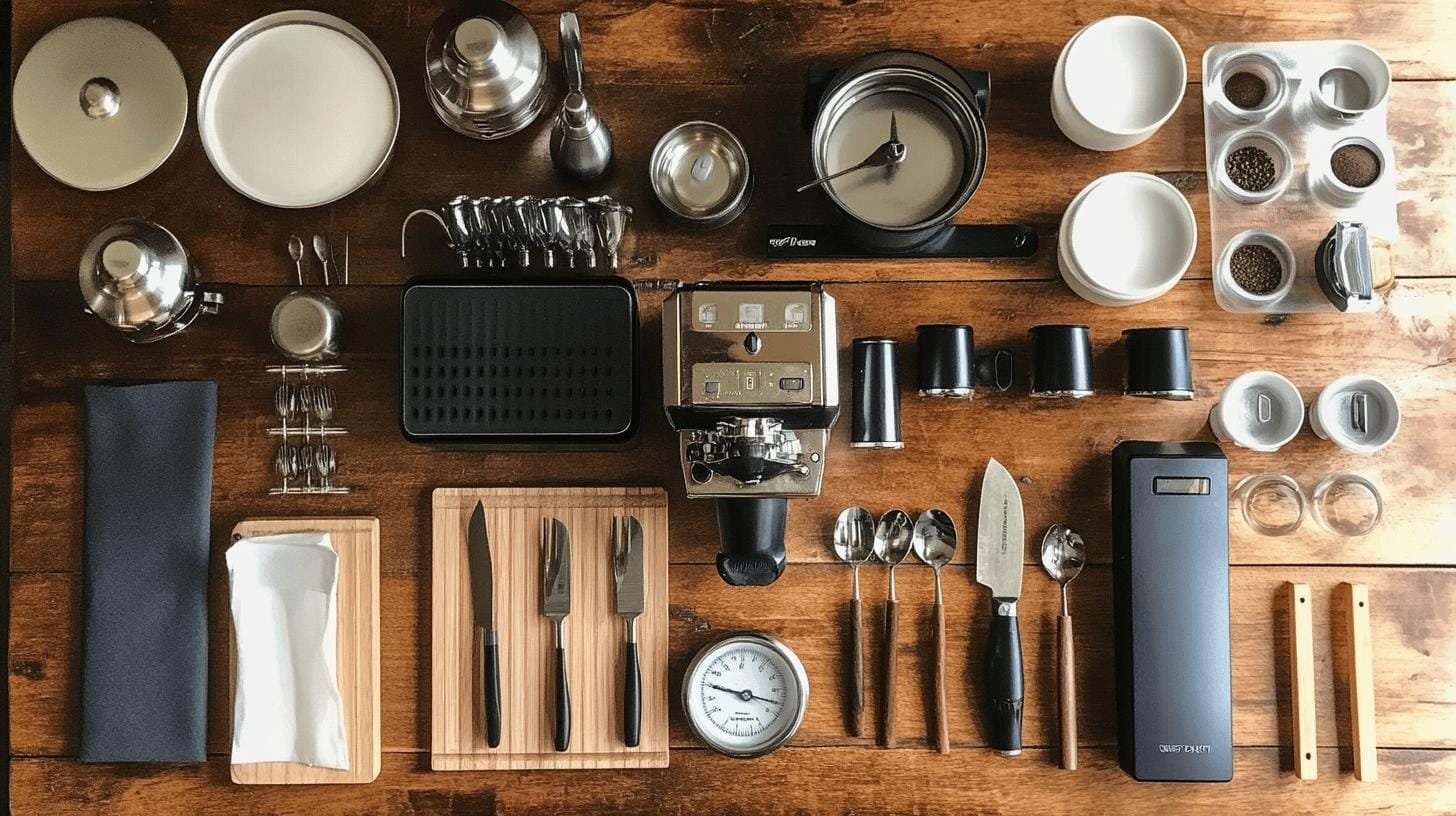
(571, 52)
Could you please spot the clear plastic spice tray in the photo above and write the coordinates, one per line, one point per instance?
(1295, 139)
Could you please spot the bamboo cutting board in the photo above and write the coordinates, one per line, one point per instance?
(594, 633)
(356, 540)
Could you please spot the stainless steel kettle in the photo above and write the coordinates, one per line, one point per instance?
(136, 277)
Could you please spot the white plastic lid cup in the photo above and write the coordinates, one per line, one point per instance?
(1260, 410)
(1358, 412)
(1116, 82)
(1126, 238)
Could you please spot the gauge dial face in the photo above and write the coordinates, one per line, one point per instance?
(917, 188)
(745, 695)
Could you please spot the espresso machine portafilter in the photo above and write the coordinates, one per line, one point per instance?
(750, 382)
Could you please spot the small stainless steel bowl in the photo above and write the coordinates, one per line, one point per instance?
(699, 171)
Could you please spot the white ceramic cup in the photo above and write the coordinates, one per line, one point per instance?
(1259, 410)
(1333, 414)
(1116, 82)
(1126, 238)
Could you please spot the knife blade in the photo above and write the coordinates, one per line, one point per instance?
(1000, 545)
(482, 599)
(627, 568)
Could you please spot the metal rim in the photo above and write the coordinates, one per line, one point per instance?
(733, 204)
(275, 20)
(758, 639)
(856, 82)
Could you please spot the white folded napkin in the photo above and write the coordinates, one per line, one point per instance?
(286, 704)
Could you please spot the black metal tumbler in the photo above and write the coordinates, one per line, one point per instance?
(876, 422)
(1061, 361)
(1158, 363)
(947, 360)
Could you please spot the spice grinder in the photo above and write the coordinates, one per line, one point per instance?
(936, 116)
(750, 381)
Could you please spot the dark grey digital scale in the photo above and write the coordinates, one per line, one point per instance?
(1170, 584)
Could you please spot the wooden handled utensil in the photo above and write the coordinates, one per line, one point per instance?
(1063, 554)
(934, 541)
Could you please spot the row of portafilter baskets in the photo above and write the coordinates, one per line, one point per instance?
(521, 231)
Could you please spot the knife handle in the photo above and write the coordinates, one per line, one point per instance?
(563, 700)
(942, 721)
(1003, 677)
(856, 680)
(1067, 691)
(892, 626)
(632, 694)
(485, 644)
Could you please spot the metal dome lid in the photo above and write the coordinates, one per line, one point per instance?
(485, 69)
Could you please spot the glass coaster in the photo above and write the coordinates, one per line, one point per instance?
(1273, 503)
(1347, 504)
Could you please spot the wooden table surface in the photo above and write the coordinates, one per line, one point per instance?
(651, 65)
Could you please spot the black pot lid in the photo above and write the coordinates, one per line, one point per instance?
(99, 103)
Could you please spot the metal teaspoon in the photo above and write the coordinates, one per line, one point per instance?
(934, 541)
(321, 249)
(888, 154)
(892, 544)
(295, 251)
(854, 535)
(1063, 554)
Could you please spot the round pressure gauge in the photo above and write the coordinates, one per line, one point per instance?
(745, 695)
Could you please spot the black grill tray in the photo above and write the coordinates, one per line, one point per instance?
(519, 362)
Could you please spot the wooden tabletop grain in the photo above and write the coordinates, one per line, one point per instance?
(652, 64)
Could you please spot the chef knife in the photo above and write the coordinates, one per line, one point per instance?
(627, 568)
(1000, 538)
(482, 596)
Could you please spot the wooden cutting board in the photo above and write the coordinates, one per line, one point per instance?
(594, 633)
(356, 540)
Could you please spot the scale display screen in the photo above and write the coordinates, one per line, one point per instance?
(1181, 486)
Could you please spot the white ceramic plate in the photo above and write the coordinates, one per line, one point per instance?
(298, 109)
(1131, 234)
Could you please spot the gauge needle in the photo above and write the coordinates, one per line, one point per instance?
(886, 155)
(745, 695)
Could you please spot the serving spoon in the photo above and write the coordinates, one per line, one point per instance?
(892, 544)
(934, 541)
(854, 534)
(1063, 554)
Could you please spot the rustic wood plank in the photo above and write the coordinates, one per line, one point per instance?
(793, 780)
(1414, 679)
(1064, 472)
(1034, 172)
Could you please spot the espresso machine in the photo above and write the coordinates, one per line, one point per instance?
(751, 383)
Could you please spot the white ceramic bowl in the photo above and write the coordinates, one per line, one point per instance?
(1128, 237)
(1260, 410)
(1330, 415)
(1116, 82)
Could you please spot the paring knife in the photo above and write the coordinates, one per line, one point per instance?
(482, 595)
(1000, 541)
(627, 568)
(556, 605)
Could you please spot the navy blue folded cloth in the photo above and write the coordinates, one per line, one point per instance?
(148, 500)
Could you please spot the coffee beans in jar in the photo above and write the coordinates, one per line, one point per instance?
(1251, 168)
(1256, 269)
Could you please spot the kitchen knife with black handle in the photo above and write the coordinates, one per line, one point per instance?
(627, 570)
(482, 595)
(1000, 541)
